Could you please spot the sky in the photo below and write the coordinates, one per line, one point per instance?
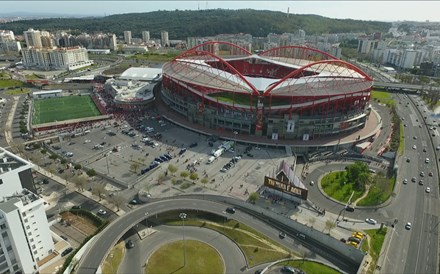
(359, 10)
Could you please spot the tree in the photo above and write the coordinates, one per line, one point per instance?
(118, 200)
(184, 174)
(77, 166)
(134, 167)
(160, 178)
(329, 225)
(172, 169)
(91, 172)
(354, 171)
(98, 189)
(194, 176)
(79, 182)
(253, 197)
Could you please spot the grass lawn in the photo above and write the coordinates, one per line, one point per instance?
(383, 97)
(200, 258)
(63, 108)
(379, 192)
(244, 99)
(310, 267)
(114, 258)
(402, 140)
(7, 83)
(17, 91)
(377, 237)
(333, 185)
(256, 247)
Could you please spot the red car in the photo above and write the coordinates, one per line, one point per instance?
(430, 174)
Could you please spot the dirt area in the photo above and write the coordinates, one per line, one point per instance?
(83, 224)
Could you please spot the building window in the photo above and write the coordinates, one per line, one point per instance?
(4, 234)
(1, 181)
(3, 226)
(28, 226)
(26, 220)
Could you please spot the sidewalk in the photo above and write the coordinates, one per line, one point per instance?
(72, 188)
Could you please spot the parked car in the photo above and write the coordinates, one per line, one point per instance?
(66, 251)
(76, 207)
(102, 212)
(408, 226)
(193, 145)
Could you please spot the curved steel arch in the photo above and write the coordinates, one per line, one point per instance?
(196, 52)
(216, 42)
(266, 53)
(297, 72)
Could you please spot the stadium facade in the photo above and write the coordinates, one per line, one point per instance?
(290, 92)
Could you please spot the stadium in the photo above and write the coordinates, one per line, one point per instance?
(291, 92)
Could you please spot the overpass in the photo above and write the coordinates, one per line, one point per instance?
(393, 86)
(344, 256)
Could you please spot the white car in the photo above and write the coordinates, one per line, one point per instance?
(414, 147)
(428, 190)
(371, 221)
(102, 212)
(408, 226)
(405, 181)
(427, 160)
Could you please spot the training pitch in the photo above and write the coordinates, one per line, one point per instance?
(63, 108)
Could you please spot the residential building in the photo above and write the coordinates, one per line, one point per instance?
(25, 237)
(145, 36)
(164, 40)
(8, 43)
(33, 38)
(58, 58)
(127, 37)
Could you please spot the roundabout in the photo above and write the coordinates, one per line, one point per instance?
(322, 246)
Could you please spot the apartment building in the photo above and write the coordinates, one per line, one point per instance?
(33, 38)
(58, 58)
(25, 237)
(8, 43)
(127, 37)
(164, 39)
(145, 36)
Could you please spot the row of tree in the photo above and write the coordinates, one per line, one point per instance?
(187, 23)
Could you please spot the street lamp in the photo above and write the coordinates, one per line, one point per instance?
(183, 217)
(235, 141)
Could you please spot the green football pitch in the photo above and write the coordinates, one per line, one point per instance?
(63, 108)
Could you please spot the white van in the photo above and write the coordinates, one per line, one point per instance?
(211, 159)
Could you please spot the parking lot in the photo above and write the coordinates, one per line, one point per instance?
(122, 151)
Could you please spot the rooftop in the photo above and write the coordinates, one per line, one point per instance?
(9, 161)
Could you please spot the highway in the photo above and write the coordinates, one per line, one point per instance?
(415, 250)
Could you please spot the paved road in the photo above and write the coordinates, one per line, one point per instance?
(105, 240)
(416, 250)
(135, 258)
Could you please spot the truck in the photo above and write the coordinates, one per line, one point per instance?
(211, 159)
(218, 152)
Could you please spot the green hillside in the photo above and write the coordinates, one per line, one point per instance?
(181, 24)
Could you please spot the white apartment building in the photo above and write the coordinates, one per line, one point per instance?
(164, 39)
(33, 38)
(25, 237)
(145, 36)
(8, 43)
(58, 58)
(127, 37)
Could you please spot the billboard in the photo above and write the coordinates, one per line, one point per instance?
(290, 126)
(285, 187)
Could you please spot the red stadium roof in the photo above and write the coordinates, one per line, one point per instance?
(283, 71)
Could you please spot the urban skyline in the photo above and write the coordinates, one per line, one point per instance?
(359, 10)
